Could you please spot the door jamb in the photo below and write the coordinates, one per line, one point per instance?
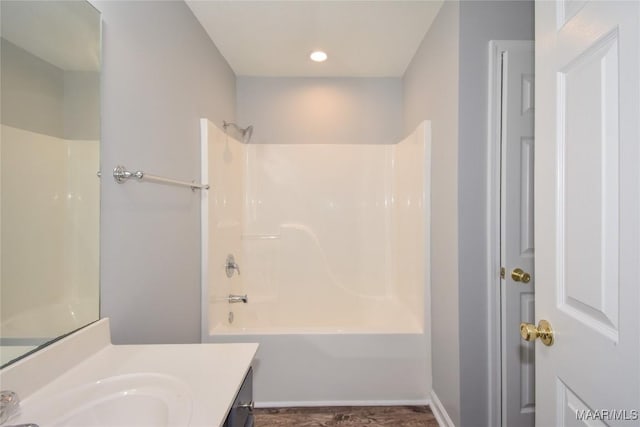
(494, 130)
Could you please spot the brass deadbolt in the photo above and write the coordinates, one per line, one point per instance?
(519, 275)
(529, 332)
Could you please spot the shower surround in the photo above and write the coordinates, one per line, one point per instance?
(47, 261)
(331, 243)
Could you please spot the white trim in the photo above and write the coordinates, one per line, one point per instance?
(493, 233)
(496, 49)
(317, 403)
(441, 415)
(427, 138)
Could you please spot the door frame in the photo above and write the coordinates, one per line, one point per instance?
(494, 169)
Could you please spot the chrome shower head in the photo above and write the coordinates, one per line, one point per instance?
(245, 133)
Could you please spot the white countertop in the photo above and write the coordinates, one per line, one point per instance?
(212, 373)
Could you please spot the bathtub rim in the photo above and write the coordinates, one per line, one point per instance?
(302, 332)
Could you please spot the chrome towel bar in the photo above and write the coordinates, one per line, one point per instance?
(122, 175)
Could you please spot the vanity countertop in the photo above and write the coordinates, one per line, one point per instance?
(210, 373)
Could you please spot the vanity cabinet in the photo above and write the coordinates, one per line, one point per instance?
(241, 413)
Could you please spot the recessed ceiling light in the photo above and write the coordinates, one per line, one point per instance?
(318, 56)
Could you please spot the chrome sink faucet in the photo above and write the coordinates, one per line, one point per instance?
(10, 406)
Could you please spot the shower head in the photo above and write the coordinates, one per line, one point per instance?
(245, 133)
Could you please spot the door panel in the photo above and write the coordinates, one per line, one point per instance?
(567, 9)
(517, 233)
(572, 410)
(526, 197)
(588, 191)
(587, 212)
(527, 366)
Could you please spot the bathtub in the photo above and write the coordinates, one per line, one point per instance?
(331, 245)
(374, 353)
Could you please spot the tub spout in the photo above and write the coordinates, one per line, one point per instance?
(233, 299)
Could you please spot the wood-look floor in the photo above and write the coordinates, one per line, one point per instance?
(351, 416)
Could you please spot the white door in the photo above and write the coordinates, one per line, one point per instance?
(587, 212)
(516, 231)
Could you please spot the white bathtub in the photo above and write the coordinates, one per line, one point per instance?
(378, 355)
(331, 244)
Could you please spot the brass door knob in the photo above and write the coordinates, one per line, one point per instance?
(529, 332)
(519, 275)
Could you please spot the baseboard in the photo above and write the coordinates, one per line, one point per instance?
(439, 412)
(310, 404)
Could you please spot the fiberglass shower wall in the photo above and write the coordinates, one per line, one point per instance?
(328, 237)
(50, 204)
(223, 168)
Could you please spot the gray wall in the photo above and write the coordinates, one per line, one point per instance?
(431, 92)
(480, 22)
(290, 110)
(447, 83)
(161, 74)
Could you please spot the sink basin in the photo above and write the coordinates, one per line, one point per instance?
(125, 400)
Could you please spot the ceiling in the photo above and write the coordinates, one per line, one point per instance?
(275, 38)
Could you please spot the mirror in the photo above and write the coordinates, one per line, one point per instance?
(49, 159)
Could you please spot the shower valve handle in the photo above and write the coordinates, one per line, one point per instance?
(231, 265)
